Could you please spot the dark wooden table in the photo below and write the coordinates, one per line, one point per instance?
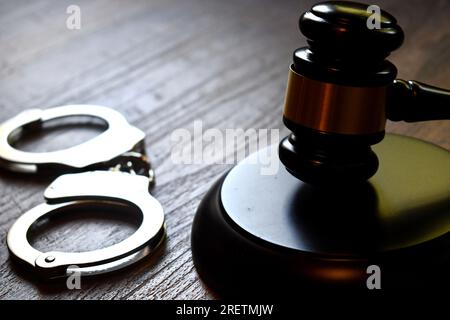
(164, 64)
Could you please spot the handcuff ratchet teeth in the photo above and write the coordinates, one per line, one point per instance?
(111, 168)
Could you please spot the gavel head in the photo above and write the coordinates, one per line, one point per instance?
(336, 93)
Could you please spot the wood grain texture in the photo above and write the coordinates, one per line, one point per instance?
(164, 64)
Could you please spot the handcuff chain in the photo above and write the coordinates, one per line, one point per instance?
(134, 163)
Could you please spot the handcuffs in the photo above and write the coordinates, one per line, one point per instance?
(110, 168)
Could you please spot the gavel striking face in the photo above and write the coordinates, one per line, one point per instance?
(341, 90)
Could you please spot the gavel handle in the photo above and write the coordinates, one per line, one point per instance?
(413, 101)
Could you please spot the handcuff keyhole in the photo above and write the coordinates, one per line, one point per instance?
(57, 134)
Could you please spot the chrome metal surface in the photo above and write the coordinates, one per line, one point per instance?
(111, 168)
(71, 190)
(119, 137)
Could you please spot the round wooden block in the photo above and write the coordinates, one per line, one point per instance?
(267, 235)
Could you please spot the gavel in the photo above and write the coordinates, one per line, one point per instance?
(341, 90)
(264, 235)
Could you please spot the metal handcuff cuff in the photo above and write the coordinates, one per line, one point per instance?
(111, 168)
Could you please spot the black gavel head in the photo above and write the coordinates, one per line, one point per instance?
(336, 94)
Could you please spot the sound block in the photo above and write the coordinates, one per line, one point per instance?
(272, 235)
